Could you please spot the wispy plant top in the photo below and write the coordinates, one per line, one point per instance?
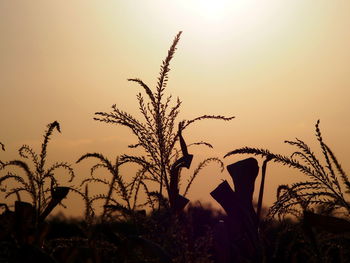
(157, 133)
(41, 182)
(325, 185)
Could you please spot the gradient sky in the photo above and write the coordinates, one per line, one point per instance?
(278, 66)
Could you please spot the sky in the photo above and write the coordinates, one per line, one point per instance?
(277, 66)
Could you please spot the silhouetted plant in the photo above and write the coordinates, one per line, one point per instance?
(1, 163)
(40, 183)
(323, 187)
(315, 238)
(157, 135)
(117, 187)
(237, 237)
(25, 228)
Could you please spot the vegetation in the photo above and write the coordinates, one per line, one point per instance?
(326, 184)
(40, 183)
(157, 135)
(171, 231)
(126, 193)
(317, 235)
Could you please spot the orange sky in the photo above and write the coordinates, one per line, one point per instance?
(278, 66)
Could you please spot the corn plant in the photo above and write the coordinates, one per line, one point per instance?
(38, 181)
(117, 187)
(325, 185)
(157, 134)
(1, 163)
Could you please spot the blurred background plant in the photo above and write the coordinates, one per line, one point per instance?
(121, 196)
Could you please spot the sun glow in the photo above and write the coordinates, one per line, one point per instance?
(223, 15)
(208, 9)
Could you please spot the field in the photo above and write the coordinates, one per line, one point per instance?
(309, 221)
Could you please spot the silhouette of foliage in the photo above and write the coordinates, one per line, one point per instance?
(201, 166)
(127, 192)
(1, 163)
(35, 181)
(323, 187)
(157, 134)
(196, 234)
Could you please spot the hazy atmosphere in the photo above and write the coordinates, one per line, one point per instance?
(277, 66)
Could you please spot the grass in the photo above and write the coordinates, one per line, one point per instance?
(326, 183)
(123, 232)
(37, 180)
(127, 193)
(156, 134)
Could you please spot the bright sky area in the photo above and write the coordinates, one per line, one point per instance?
(278, 66)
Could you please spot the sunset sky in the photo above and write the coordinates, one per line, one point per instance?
(278, 66)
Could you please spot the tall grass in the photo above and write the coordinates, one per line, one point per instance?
(117, 187)
(326, 182)
(36, 179)
(156, 134)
